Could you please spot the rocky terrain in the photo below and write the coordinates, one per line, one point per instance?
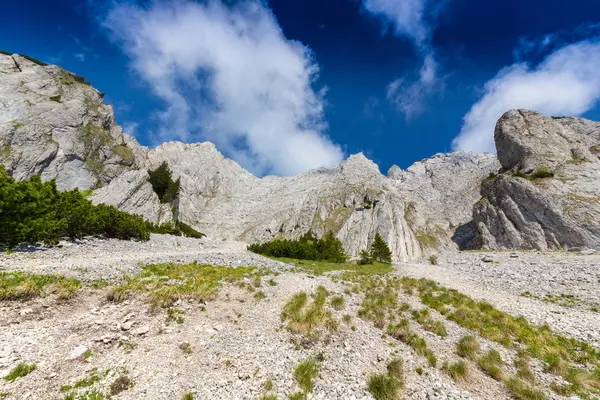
(54, 124)
(515, 316)
(235, 345)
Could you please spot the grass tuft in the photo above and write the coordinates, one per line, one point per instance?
(305, 374)
(21, 370)
(384, 387)
(458, 370)
(338, 302)
(491, 362)
(468, 347)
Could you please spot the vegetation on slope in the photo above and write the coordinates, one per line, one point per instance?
(32, 211)
(308, 247)
(163, 184)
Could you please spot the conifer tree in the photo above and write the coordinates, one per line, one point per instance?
(380, 250)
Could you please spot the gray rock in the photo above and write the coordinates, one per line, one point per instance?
(560, 212)
(53, 124)
(142, 330)
(77, 352)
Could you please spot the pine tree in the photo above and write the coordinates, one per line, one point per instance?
(365, 258)
(380, 250)
(163, 184)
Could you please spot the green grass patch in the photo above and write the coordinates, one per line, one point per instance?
(23, 286)
(522, 391)
(319, 267)
(305, 373)
(21, 370)
(167, 283)
(563, 356)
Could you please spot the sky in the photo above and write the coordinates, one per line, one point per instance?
(285, 86)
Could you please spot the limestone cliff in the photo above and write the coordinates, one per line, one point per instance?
(548, 194)
(55, 124)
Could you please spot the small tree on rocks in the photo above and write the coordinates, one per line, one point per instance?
(163, 184)
(380, 250)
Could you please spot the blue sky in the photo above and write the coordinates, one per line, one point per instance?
(284, 86)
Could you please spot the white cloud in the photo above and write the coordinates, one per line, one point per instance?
(130, 128)
(410, 97)
(407, 17)
(227, 74)
(567, 82)
(79, 56)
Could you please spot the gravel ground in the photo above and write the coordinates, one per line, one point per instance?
(238, 343)
(93, 259)
(506, 276)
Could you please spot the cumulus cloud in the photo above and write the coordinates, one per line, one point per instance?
(566, 82)
(406, 17)
(228, 74)
(410, 96)
(409, 93)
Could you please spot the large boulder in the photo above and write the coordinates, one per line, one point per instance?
(548, 196)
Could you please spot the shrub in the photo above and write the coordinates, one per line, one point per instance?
(365, 258)
(163, 184)
(541, 173)
(307, 247)
(433, 260)
(32, 211)
(179, 229)
(380, 250)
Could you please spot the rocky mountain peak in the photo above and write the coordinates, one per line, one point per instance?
(53, 123)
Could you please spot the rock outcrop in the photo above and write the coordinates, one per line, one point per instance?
(440, 193)
(54, 124)
(548, 193)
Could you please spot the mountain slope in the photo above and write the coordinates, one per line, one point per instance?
(54, 124)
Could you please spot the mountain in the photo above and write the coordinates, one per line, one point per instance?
(55, 124)
(547, 195)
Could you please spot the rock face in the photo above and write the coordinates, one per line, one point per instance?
(522, 209)
(440, 193)
(54, 124)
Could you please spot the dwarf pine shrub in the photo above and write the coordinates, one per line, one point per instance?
(308, 247)
(32, 211)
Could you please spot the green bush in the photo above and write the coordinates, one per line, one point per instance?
(308, 247)
(32, 211)
(179, 229)
(541, 173)
(380, 250)
(365, 258)
(163, 184)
